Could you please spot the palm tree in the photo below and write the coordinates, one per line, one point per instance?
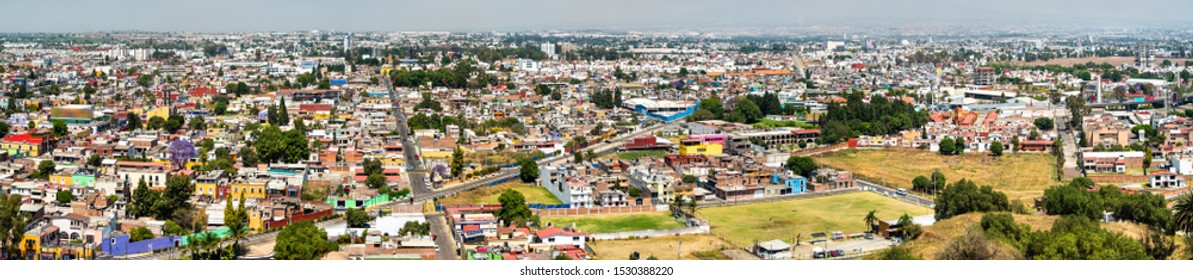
(870, 219)
(1182, 216)
(692, 207)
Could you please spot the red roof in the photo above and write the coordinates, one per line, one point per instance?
(314, 107)
(547, 232)
(24, 138)
(200, 91)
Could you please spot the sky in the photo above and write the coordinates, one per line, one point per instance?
(520, 15)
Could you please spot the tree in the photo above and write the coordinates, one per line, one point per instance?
(372, 166)
(283, 114)
(415, 228)
(921, 184)
(458, 162)
(173, 123)
(1044, 123)
(357, 218)
(155, 123)
(197, 123)
(172, 228)
(181, 151)
(1182, 216)
(946, 146)
(4, 128)
(996, 148)
(964, 197)
(1077, 109)
(144, 199)
(375, 181)
(59, 128)
(45, 168)
(1015, 144)
(959, 146)
(748, 110)
(94, 160)
(140, 233)
(871, 220)
(529, 170)
(1147, 158)
(713, 105)
(938, 181)
(302, 241)
(65, 197)
(804, 166)
(514, 210)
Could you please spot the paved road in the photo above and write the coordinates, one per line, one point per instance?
(445, 239)
(416, 172)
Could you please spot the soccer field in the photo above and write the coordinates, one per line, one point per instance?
(745, 224)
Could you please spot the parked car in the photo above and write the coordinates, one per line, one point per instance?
(901, 191)
(837, 235)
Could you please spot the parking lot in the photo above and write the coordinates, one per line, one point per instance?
(850, 246)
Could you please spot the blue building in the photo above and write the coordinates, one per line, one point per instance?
(795, 184)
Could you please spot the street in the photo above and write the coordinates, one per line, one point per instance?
(444, 237)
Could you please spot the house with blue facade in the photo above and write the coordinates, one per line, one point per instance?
(795, 184)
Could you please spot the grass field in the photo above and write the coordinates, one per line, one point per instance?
(617, 222)
(533, 194)
(1020, 176)
(742, 225)
(695, 247)
(766, 123)
(641, 154)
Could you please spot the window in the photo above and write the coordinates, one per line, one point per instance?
(551, 239)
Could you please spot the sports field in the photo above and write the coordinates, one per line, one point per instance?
(745, 224)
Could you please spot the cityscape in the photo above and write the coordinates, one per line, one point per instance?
(865, 141)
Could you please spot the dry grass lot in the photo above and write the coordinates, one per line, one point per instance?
(745, 224)
(489, 195)
(1020, 176)
(617, 222)
(695, 247)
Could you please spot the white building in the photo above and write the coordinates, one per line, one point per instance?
(1166, 179)
(565, 184)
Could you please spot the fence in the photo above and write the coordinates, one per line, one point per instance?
(818, 150)
(1119, 178)
(298, 218)
(698, 229)
(600, 210)
(777, 198)
(884, 190)
(548, 206)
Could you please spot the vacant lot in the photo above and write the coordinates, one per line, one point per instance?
(641, 154)
(617, 222)
(533, 194)
(695, 247)
(1020, 176)
(745, 224)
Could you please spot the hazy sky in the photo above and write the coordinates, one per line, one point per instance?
(504, 15)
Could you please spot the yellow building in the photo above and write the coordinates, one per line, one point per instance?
(708, 149)
(163, 112)
(250, 190)
(67, 179)
(24, 143)
(255, 222)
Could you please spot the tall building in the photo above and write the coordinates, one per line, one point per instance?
(347, 42)
(548, 48)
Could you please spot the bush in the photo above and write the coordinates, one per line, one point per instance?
(964, 197)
